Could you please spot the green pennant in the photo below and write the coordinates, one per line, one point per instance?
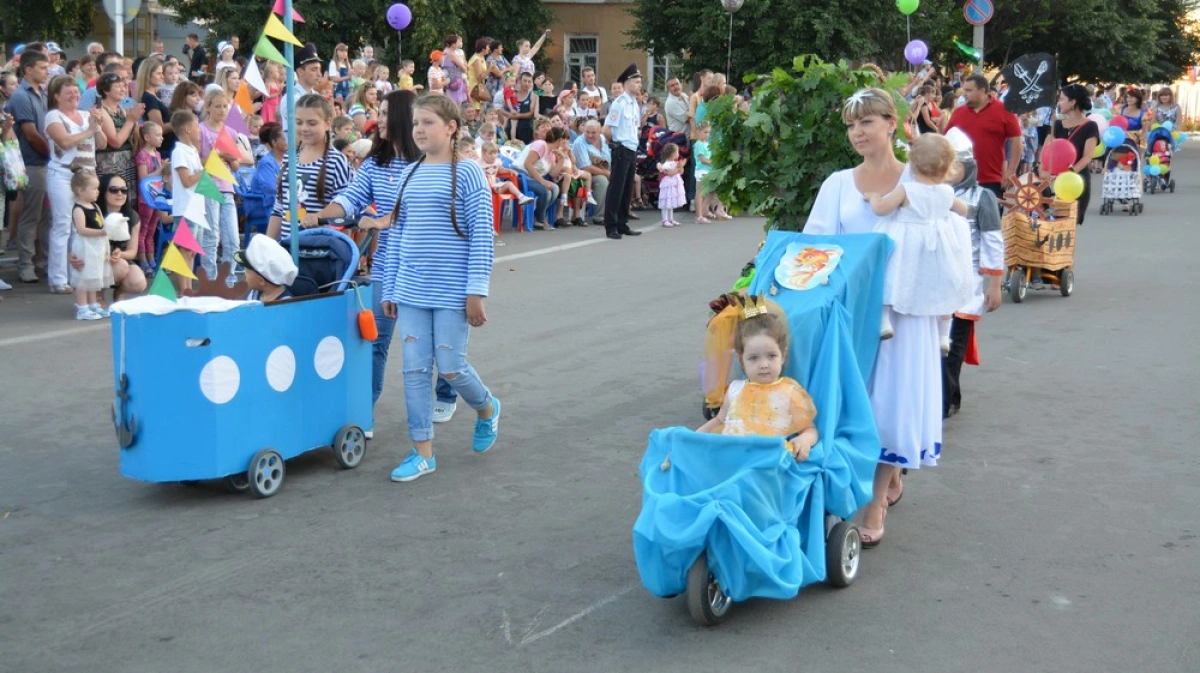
(209, 189)
(162, 286)
(269, 51)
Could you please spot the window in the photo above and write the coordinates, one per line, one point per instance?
(661, 69)
(582, 51)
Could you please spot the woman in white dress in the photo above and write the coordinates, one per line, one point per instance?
(906, 388)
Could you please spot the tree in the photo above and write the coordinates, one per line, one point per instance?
(65, 22)
(772, 158)
(1096, 40)
(361, 22)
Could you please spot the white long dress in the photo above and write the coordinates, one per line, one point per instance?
(906, 387)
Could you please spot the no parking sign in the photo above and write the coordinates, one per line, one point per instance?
(978, 12)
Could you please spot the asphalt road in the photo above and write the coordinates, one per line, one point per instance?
(1059, 534)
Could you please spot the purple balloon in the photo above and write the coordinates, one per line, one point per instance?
(916, 51)
(399, 16)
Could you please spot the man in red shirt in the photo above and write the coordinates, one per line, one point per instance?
(990, 127)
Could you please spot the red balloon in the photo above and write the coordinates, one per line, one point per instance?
(1120, 122)
(1058, 156)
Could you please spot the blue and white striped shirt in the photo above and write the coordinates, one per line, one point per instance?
(428, 265)
(378, 185)
(337, 176)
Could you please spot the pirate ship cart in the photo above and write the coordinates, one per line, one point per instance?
(1039, 239)
(208, 388)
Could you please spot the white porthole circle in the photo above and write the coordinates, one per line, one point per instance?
(220, 379)
(281, 369)
(329, 358)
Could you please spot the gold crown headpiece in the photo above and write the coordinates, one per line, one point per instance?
(753, 305)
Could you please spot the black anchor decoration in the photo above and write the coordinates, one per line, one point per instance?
(126, 432)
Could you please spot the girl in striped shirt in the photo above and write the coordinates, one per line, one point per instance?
(436, 274)
(321, 170)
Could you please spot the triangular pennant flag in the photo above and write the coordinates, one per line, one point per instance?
(217, 168)
(162, 287)
(226, 144)
(242, 98)
(209, 189)
(194, 213)
(236, 122)
(279, 10)
(174, 262)
(183, 238)
(277, 30)
(253, 77)
(268, 51)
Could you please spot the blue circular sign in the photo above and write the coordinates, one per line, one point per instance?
(978, 12)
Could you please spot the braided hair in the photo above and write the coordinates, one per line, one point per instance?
(448, 111)
(313, 101)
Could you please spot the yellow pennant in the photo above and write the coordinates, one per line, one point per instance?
(277, 30)
(174, 262)
(217, 168)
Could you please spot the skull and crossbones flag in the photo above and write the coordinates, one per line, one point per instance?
(1032, 83)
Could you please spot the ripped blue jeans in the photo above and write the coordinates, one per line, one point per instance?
(429, 337)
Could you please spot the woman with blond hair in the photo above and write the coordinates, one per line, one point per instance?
(1165, 108)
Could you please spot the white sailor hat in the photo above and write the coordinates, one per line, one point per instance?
(268, 259)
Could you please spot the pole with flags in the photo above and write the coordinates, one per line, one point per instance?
(293, 207)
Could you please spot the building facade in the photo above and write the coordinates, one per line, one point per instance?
(593, 33)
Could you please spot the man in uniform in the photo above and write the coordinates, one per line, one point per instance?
(621, 129)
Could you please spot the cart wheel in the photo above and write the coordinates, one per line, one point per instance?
(1171, 185)
(266, 473)
(236, 483)
(1016, 284)
(707, 603)
(709, 412)
(349, 446)
(1153, 186)
(842, 551)
(1066, 282)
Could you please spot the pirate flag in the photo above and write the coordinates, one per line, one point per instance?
(1031, 83)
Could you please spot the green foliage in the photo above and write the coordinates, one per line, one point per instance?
(362, 22)
(771, 158)
(1096, 40)
(65, 22)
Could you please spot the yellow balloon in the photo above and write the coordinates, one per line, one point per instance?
(1175, 135)
(1099, 151)
(1154, 161)
(1068, 186)
(1155, 126)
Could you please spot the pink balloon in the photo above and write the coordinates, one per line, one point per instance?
(1058, 156)
(1101, 122)
(1120, 122)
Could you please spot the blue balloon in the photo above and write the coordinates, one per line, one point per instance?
(1146, 169)
(1113, 136)
(1156, 170)
(1169, 125)
(1182, 139)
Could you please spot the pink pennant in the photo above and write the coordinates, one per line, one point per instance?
(225, 143)
(279, 10)
(184, 239)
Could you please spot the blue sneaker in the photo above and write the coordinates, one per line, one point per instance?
(485, 431)
(414, 466)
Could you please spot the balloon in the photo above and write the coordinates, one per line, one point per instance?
(1058, 156)
(399, 16)
(1155, 161)
(1146, 170)
(1175, 135)
(1120, 122)
(1182, 138)
(1106, 113)
(916, 51)
(1068, 186)
(907, 7)
(1114, 135)
(1100, 148)
(1101, 122)
(1155, 126)
(1156, 170)
(1168, 125)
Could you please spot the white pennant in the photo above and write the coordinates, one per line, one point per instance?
(253, 77)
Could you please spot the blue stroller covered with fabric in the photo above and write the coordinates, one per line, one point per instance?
(725, 519)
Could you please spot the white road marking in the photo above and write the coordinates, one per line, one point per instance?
(45, 336)
(573, 618)
(559, 248)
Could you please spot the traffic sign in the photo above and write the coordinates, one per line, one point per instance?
(129, 10)
(978, 12)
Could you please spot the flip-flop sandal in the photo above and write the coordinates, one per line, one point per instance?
(899, 493)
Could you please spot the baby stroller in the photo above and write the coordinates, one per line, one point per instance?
(1123, 179)
(656, 137)
(727, 518)
(1160, 145)
(328, 261)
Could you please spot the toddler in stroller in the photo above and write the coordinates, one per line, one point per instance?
(1159, 148)
(658, 137)
(1122, 178)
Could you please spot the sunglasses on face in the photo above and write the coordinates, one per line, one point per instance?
(118, 190)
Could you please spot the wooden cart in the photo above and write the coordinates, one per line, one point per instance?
(1040, 249)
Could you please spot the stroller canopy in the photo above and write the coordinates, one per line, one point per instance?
(328, 261)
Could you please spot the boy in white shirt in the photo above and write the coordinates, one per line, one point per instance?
(187, 169)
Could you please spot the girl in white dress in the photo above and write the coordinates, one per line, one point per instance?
(929, 272)
(906, 386)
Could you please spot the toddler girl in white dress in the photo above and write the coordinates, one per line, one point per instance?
(929, 272)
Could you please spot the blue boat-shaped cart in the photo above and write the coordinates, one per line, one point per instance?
(233, 394)
(725, 519)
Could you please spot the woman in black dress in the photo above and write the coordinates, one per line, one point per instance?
(1073, 105)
